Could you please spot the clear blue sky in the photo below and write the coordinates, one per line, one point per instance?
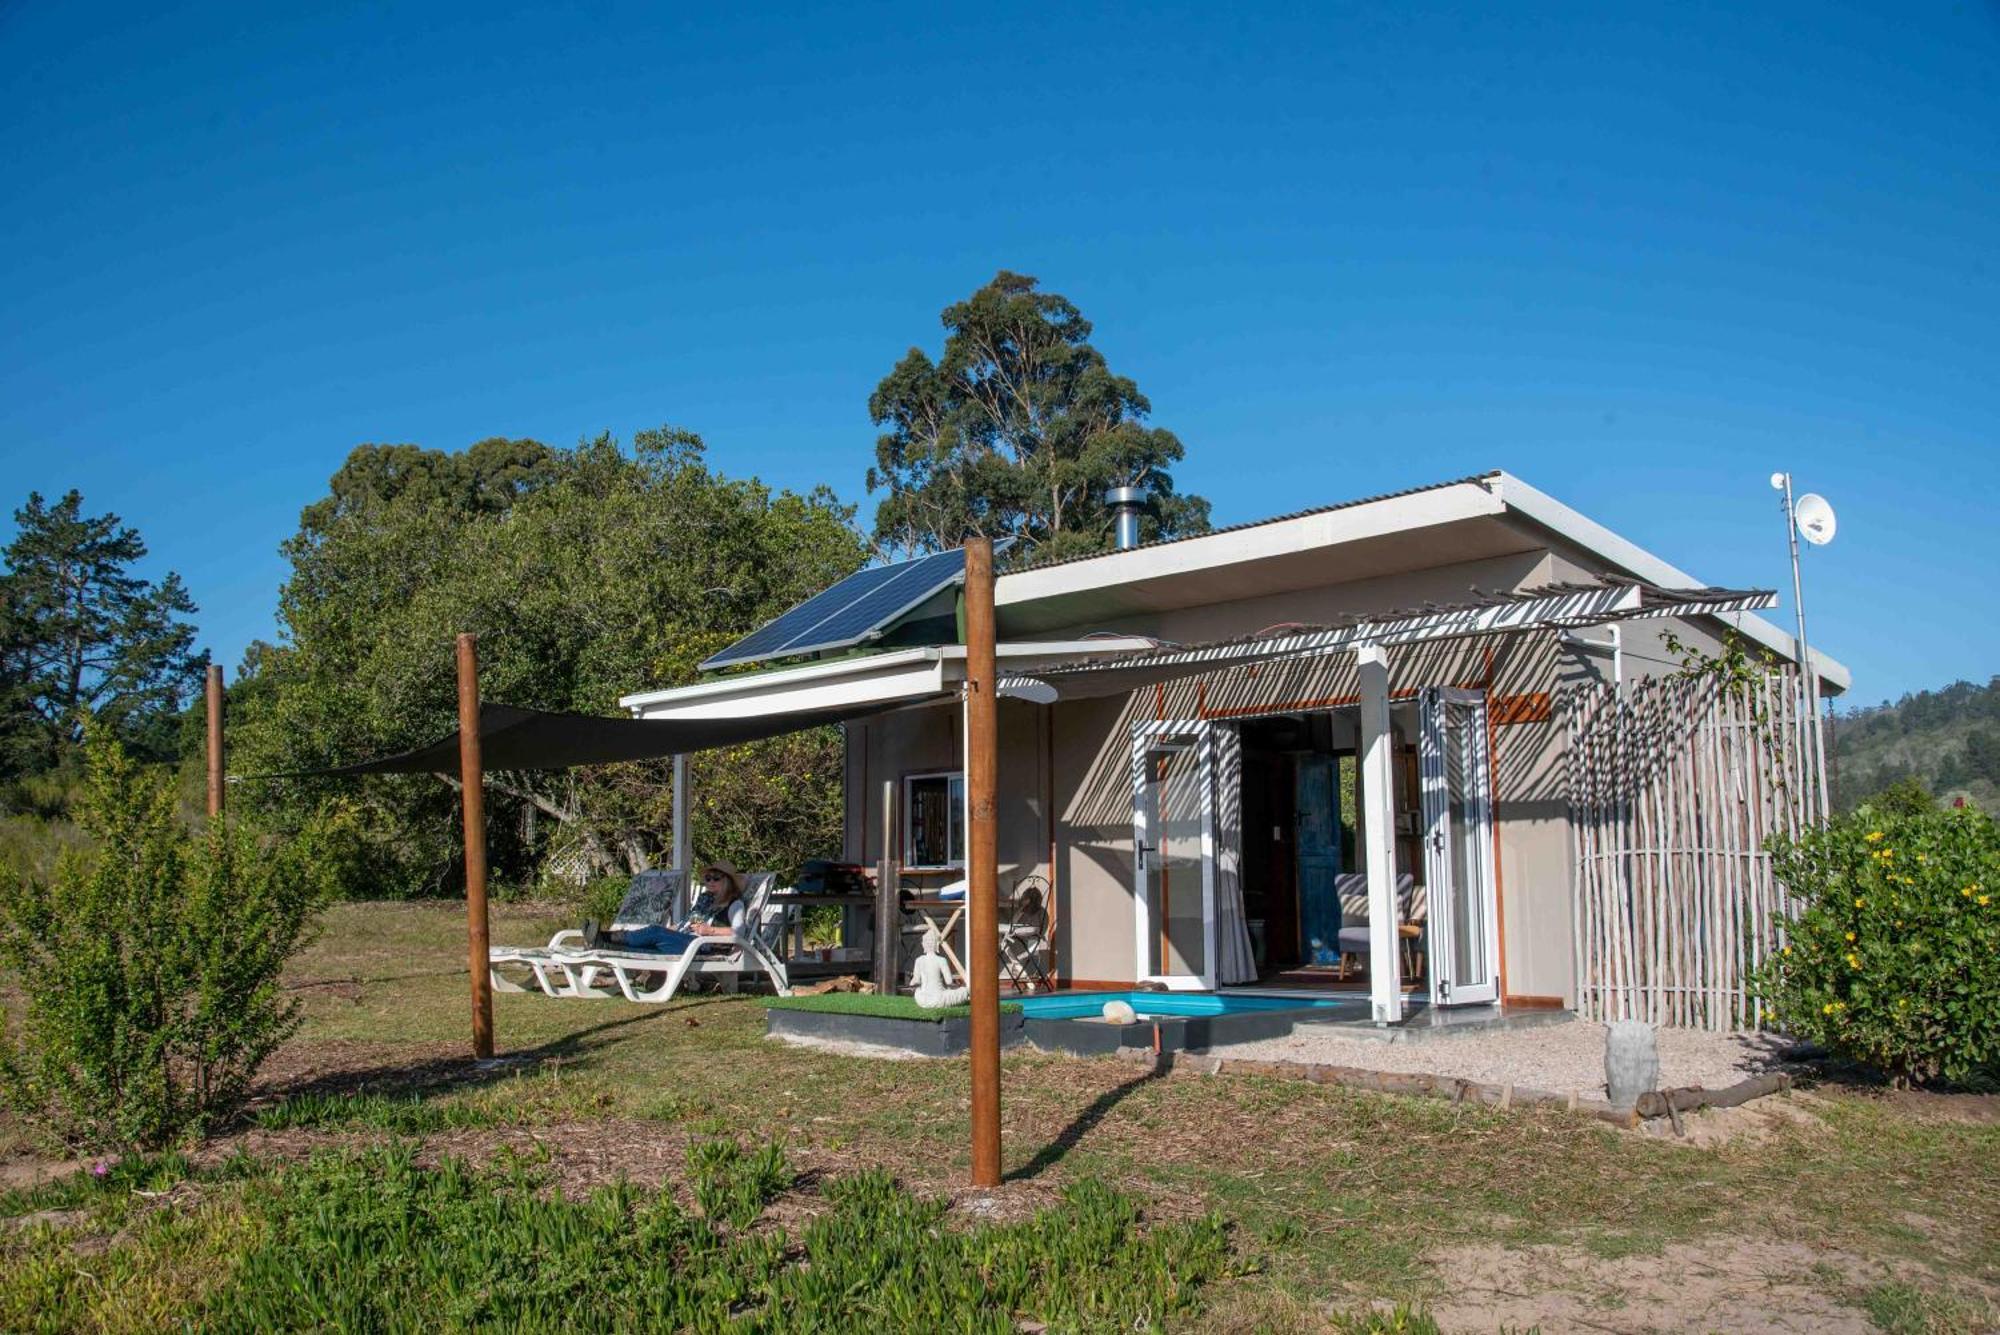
(1640, 260)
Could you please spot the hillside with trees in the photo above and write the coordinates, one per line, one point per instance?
(1946, 740)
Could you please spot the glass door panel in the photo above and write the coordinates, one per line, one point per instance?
(1458, 848)
(1173, 823)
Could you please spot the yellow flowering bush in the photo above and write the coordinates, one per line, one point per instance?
(1892, 958)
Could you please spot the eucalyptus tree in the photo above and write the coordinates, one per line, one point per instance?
(1018, 429)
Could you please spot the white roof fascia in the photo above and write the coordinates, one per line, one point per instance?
(860, 665)
(1636, 561)
(1284, 537)
(891, 678)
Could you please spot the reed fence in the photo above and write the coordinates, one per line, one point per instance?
(1675, 786)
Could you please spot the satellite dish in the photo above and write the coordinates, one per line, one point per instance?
(1031, 689)
(1815, 519)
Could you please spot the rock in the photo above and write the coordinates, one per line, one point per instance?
(1631, 1061)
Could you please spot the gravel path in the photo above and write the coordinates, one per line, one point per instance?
(1555, 1057)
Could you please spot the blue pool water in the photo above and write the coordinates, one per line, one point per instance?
(1090, 1005)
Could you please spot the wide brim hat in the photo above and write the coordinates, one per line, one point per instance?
(728, 869)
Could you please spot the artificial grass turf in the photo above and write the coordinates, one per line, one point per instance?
(879, 1007)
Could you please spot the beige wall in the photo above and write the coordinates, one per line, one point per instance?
(1072, 760)
(919, 741)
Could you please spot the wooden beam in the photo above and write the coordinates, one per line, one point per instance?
(982, 767)
(214, 741)
(472, 787)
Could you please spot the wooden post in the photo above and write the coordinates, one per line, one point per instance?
(888, 905)
(214, 741)
(472, 790)
(982, 766)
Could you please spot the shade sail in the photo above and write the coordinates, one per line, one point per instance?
(513, 738)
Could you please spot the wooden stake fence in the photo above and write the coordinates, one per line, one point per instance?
(1675, 786)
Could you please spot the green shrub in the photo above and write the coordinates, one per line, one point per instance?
(601, 898)
(1893, 958)
(149, 965)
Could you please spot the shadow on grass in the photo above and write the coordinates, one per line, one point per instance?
(425, 1076)
(355, 980)
(1083, 1124)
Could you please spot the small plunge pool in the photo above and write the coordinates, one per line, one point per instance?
(1173, 1005)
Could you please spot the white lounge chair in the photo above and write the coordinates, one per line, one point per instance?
(654, 976)
(655, 899)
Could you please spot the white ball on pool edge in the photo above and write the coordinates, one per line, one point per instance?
(1120, 1012)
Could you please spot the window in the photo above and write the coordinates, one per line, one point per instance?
(933, 814)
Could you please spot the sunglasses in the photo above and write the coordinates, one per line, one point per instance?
(714, 876)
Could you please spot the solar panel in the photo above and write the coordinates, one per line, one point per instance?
(848, 613)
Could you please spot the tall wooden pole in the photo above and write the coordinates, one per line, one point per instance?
(982, 770)
(472, 787)
(214, 741)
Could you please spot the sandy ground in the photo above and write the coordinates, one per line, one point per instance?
(1558, 1058)
(1725, 1283)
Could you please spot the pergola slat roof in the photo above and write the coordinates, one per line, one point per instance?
(1567, 606)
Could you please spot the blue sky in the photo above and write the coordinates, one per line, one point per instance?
(1640, 259)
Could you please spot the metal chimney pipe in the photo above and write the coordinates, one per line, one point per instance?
(1126, 503)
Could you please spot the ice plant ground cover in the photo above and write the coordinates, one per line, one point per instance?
(1254, 1204)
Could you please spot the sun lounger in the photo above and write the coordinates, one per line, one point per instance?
(654, 900)
(654, 976)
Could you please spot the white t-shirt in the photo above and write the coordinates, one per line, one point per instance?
(701, 912)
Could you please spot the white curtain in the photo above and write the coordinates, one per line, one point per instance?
(1235, 961)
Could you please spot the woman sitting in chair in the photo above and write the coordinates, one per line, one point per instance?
(717, 911)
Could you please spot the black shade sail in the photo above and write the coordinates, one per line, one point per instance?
(512, 738)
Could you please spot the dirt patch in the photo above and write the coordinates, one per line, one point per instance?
(1717, 1284)
(1931, 1106)
(1558, 1057)
(25, 1172)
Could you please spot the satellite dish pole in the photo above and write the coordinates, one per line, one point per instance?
(1811, 515)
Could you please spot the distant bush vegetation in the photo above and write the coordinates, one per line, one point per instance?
(1947, 741)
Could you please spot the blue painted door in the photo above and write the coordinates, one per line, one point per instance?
(1318, 792)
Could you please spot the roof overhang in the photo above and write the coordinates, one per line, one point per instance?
(1493, 515)
(893, 680)
(1440, 525)
(1628, 558)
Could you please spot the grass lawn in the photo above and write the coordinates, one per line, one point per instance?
(1849, 1209)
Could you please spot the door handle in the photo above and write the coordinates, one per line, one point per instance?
(1144, 849)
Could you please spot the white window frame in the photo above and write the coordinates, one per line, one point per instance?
(955, 806)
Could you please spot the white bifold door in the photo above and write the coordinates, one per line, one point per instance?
(1173, 839)
(1462, 912)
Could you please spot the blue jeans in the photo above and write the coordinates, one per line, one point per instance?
(663, 939)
